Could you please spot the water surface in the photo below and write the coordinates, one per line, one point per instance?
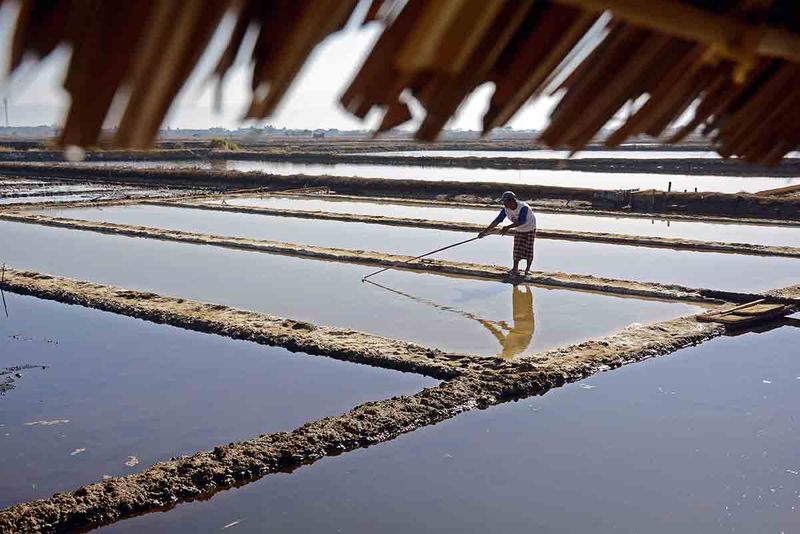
(693, 269)
(726, 232)
(590, 180)
(117, 387)
(455, 314)
(554, 154)
(704, 440)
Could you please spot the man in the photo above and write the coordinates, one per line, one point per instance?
(523, 222)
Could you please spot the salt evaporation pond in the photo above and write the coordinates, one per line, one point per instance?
(704, 440)
(591, 180)
(454, 314)
(693, 269)
(118, 390)
(726, 232)
(551, 154)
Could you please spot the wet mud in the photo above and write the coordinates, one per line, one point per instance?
(473, 383)
(654, 242)
(490, 272)
(649, 201)
(9, 375)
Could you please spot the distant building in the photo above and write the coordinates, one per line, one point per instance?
(318, 135)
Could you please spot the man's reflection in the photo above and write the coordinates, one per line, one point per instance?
(518, 338)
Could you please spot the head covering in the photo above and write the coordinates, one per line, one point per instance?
(508, 195)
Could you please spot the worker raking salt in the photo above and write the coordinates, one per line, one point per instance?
(523, 221)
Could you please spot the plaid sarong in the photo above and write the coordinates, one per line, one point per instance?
(523, 245)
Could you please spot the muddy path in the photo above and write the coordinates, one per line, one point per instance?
(578, 282)
(200, 475)
(650, 201)
(567, 235)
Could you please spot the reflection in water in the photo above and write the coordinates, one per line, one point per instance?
(513, 340)
(519, 337)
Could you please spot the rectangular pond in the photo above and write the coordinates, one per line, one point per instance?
(118, 394)
(662, 227)
(591, 180)
(704, 440)
(693, 269)
(455, 314)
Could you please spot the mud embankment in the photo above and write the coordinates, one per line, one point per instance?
(578, 282)
(568, 235)
(715, 204)
(682, 166)
(106, 155)
(204, 473)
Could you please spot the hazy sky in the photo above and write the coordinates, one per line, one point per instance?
(35, 95)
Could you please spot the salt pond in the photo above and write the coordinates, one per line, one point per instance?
(704, 440)
(693, 269)
(726, 232)
(553, 154)
(120, 391)
(591, 180)
(455, 314)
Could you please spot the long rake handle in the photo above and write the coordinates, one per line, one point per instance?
(399, 263)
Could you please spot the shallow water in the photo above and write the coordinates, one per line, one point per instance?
(734, 233)
(555, 154)
(455, 314)
(591, 180)
(693, 269)
(704, 440)
(117, 387)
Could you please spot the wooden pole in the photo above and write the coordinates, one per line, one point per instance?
(401, 263)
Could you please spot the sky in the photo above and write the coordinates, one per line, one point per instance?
(35, 95)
